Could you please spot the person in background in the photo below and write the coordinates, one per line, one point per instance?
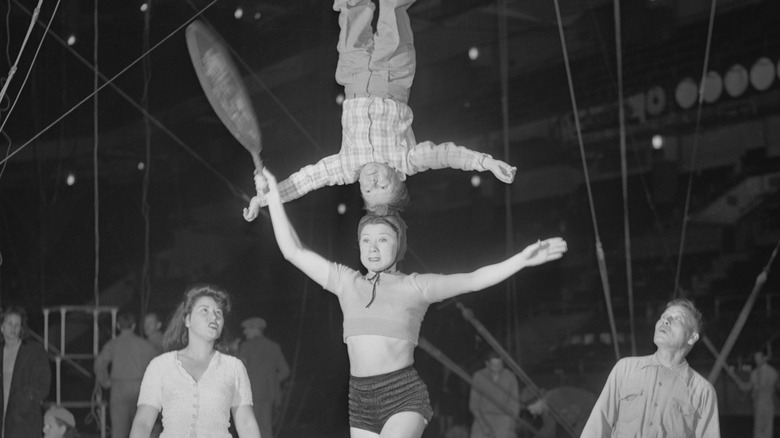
(573, 405)
(763, 383)
(58, 422)
(153, 333)
(494, 400)
(127, 355)
(194, 385)
(26, 377)
(153, 330)
(267, 368)
(659, 395)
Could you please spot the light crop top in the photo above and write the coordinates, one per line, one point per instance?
(398, 308)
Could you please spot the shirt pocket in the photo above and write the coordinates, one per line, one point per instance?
(680, 418)
(631, 406)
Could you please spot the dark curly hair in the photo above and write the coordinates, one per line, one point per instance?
(176, 335)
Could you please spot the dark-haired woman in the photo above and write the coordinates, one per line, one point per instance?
(383, 311)
(195, 385)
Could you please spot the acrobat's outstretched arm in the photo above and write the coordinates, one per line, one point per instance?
(428, 155)
(535, 254)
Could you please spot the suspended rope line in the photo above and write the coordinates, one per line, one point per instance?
(639, 162)
(510, 285)
(95, 161)
(624, 173)
(599, 247)
(234, 189)
(146, 287)
(98, 89)
(27, 76)
(265, 87)
(12, 71)
(689, 190)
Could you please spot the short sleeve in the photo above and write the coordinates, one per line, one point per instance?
(243, 394)
(151, 385)
(429, 286)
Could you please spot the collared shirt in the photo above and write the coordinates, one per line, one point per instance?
(377, 130)
(643, 398)
(195, 408)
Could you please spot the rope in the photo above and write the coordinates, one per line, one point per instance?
(624, 174)
(110, 82)
(12, 71)
(599, 247)
(98, 89)
(695, 147)
(95, 161)
(146, 288)
(27, 76)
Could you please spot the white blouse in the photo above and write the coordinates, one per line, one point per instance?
(195, 409)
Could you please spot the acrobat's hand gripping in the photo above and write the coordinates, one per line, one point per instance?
(258, 201)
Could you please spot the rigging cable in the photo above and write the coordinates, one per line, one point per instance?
(95, 161)
(110, 82)
(26, 77)
(599, 247)
(12, 71)
(146, 287)
(694, 148)
(624, 174)
(512, 325)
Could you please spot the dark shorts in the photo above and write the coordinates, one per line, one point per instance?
(373, 400)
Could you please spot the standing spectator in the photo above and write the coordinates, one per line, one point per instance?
(659, 395)
(267, 369)
(194, 385)
(26, 377)
(153, 330)
(494, 384)
(58, 422)
(763, 380)
(128, 355)
(573, 405)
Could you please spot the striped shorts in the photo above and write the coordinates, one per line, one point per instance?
(374, 399)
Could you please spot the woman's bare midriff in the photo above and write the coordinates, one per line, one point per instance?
(370, 355)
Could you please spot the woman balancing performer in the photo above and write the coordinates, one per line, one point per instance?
(194, 385)
(383, 311)
(378, 146)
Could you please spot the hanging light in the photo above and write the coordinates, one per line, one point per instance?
(657, 141)
(70, 179)
(71, 39)
(239, 12)
(473, 53)
(341, 208)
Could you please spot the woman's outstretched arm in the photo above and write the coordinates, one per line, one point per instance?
(309, 262)
(535, 254)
